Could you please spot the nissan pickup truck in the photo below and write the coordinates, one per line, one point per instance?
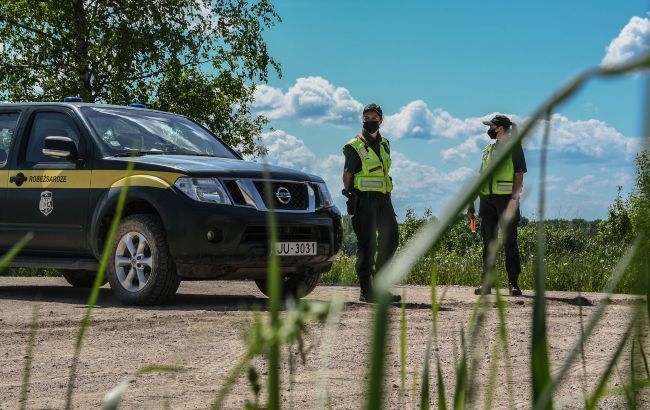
(194, 210)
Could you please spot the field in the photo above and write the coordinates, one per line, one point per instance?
(202, 331)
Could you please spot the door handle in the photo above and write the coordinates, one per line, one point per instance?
(18, 179)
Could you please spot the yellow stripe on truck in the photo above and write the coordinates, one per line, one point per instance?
(152, 179)
(98, 179)
(4, 179)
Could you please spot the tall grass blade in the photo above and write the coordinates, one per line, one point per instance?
(633, 403)
(424, 388)
(582, 347)
(94, 292)
(29, 355)
(434, 301)
(378, 353)
(643, 357)
(503, 337)
(461, 376)
(331, 326)
(230, 380)
(442, 395)
(646, 135)
(274, 287)
(495, 357)
(596, 396)
(540, 362)
(402, 350)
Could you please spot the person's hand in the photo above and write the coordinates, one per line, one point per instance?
(470, 212)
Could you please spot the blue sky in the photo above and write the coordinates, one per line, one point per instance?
(437, 68)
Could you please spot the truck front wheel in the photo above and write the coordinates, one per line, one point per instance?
(141, 271)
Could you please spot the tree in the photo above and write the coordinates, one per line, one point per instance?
(199, 58)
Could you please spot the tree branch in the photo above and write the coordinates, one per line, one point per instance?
(24, 27)
(155, 73)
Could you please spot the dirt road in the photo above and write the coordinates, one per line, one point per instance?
(202, 329)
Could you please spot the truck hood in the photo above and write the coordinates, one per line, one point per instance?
(215, 167)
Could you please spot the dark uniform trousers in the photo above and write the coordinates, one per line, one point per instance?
(375, 226)
(492, 207)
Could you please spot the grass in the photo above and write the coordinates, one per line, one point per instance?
(577, 258)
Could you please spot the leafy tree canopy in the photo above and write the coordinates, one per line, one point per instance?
(199, 58)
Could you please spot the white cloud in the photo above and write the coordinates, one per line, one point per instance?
(587, 139)
(590, 139)
(287, 150)
(581, 186)
(416, 120)
(314, 100)
(461, 152)
(592, 186)
(311, 100)
(631, 42)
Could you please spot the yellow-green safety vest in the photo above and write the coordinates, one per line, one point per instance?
(373, 176)
(502, 180)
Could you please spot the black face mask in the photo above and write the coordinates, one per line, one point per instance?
(371, 126)
(492, 133)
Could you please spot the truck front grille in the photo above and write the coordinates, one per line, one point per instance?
(297, 198)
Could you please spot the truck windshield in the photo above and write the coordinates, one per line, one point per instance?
(126, 131)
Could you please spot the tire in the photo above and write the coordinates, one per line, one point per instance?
(296, 286)
(140, 270)
(82, 278)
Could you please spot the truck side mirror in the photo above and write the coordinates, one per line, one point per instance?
(61, 147)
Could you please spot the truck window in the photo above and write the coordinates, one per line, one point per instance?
(49, 124)
(8, 121)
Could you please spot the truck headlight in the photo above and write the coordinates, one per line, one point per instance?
(325, 196)
(204, 190)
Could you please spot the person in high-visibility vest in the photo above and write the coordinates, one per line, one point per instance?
(367, 185)
(501, 192)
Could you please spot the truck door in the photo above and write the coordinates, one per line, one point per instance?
(8, 124)
(45, 195)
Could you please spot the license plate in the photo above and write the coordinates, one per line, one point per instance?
(295, 248)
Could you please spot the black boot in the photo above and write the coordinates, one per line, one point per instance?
(514, 290)
(365, 294)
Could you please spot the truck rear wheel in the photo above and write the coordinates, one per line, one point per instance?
(82, 278)
(141, 271)
(295, 286)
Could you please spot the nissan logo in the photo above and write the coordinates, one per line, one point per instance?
(283, 195)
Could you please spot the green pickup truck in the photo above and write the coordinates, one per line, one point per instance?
(195, 209)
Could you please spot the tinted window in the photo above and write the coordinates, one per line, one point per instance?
(49, 124)
(126, 130)
(8, 121)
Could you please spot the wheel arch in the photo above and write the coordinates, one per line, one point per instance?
(138, 201)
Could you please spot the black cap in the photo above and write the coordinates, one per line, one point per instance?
(375, 108)
(499, 121)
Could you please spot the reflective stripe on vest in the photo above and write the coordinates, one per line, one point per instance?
(502, 180)
(374, 175)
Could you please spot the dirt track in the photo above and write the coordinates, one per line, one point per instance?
(201, 330)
